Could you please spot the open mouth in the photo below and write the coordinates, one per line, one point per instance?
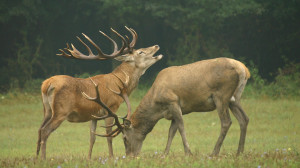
(158, 56)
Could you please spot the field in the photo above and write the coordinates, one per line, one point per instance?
(273, 138)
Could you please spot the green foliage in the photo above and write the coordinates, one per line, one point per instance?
(87, 75)
(286, 83)
(187, 31)
(33, 86)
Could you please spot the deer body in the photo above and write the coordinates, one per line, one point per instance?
(62, 95)
(198, 87)
(61, 88)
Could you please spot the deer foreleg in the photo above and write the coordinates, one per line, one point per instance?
(172, 131)
(92, 136)
(177, 116)
(109, 121)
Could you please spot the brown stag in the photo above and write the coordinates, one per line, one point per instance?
(198, 87)
(61, 94)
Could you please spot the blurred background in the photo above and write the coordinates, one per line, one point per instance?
(264, 34)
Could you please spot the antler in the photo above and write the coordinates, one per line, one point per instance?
(134, 39)
(126, 47)
(117, 123)
(123, 94)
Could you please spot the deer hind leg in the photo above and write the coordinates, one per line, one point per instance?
(239, 113)
(92, 136)
(172, 131)
(225, 119)
(243, 120)
(47, 129)
(47, 117)
(175, 109)
(109, 121)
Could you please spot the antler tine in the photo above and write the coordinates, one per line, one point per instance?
(114, 133)
(115, 44)
(123, 94)
(63, 53)
(97, 99)
(96, 46)
(77, 53)
(134, 37)
(124, 42)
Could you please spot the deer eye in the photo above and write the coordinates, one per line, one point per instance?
(141, 52)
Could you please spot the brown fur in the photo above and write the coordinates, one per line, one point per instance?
(63, 100)
(198, 87)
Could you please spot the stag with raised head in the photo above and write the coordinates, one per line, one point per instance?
(61, 94)
(198, 87)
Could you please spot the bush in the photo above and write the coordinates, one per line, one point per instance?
(286, 83)
(33, 86)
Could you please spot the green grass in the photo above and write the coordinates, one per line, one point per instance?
(273, 138)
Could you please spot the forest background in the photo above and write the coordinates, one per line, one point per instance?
(265, 35)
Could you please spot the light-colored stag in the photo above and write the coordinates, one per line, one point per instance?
(198, 87)
(62, 98)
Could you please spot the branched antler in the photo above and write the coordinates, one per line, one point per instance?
(72, 52)
(117, 123)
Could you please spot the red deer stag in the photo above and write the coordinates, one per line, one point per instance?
(61, 94)
(198, 87)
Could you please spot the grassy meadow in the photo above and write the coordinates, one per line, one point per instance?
(273, 138)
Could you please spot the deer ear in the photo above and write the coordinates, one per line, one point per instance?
(125, 58)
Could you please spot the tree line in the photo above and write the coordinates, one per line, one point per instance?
(264, 34)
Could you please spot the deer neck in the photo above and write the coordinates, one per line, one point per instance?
(145, 117)
(133, 72)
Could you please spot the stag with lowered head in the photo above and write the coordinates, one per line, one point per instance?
(198, 87)
(61, 94)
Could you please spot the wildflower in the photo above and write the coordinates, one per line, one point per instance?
(123, 156)
(155, 152)
(277, 150)
(289, 149)
(100, 158)
(258, 166)
(58, 166)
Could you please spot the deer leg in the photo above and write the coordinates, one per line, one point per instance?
(172, 131)
(177, 115)
(48, 128)
(47, 117)
(92, 136)
(109, 121)
(225, 119)
(243, 120)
